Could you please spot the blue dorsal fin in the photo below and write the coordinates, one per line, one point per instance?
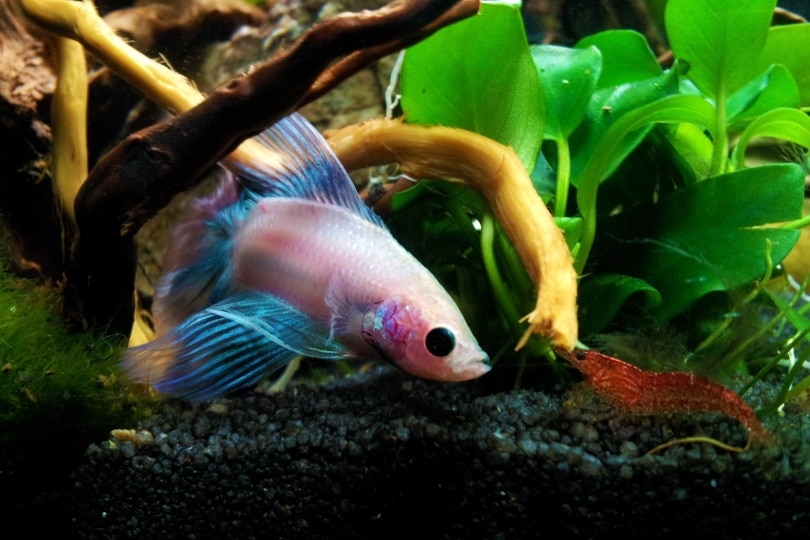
(309, 170)
(229, 346)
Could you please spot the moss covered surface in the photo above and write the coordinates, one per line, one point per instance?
(59, 389)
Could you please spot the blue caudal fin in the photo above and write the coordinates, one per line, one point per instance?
(229, 346)
(309, 169)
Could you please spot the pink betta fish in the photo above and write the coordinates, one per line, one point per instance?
(288, 261)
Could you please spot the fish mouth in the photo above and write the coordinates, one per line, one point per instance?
(471, 368)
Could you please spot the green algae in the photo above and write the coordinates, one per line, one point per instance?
(59, 389)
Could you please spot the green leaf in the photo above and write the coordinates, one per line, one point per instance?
(787, 124)
(602, 296)
(772, 89)
(799, 321)
(607, 108)
(710, 237)
(568, 78)
(788, 45)
(626, 57)
(673, 109)
(691, 150)
(478, 75)
(720, 39)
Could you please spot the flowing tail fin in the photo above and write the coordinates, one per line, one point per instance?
(229, 346)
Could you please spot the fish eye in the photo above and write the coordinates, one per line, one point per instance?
(440, 341)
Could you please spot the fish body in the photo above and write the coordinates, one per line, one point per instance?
(286, 260)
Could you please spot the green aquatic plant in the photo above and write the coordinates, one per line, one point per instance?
(57, 387)
(643, 165)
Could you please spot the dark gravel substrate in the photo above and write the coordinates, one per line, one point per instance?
(385, 456)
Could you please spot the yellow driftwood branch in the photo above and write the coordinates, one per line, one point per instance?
(495, 171)
(81, 22)
(69, 122)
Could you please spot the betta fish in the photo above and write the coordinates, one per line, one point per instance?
(284, 260)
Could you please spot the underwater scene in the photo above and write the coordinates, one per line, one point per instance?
(456, 269)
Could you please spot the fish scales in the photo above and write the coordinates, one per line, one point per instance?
(294, 248)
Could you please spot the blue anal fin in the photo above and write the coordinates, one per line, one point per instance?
(229, 346)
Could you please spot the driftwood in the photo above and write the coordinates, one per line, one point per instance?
(137, 178)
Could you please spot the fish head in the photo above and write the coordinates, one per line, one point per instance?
(428, 338)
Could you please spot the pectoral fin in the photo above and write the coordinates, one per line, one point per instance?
(231, 345)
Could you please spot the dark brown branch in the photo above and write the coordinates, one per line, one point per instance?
(137, 178)
(359, 59)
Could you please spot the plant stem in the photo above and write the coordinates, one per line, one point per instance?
(521, 283)
(563, 175)
(802, 222)
(792, 373)
(586, 200)
(797, 388)
(720, 153)
(785, 351)
(502, 294)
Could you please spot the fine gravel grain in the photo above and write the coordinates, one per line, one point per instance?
(382, 455)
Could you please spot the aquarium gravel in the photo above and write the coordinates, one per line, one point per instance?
(383, 455)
